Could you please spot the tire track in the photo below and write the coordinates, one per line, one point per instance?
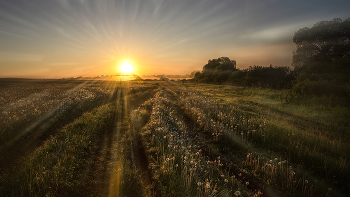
(40, 130)
(106, 176)
(97, 182)
(255, 184)
(138, 154)
(113, 188)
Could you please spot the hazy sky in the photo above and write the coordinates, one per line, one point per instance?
(63, 38)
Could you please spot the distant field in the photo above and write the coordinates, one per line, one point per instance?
(157, 138)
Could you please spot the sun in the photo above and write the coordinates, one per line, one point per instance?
(126, 67)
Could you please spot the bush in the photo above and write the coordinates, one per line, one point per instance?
(321, 87)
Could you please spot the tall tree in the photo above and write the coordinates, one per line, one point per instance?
(221, 64)
(326, 41)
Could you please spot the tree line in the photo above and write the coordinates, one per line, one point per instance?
(321, 64)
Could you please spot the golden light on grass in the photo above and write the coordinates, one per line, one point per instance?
(126, 67)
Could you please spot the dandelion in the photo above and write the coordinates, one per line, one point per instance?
(207, 185)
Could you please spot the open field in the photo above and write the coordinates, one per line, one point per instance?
(157, 138)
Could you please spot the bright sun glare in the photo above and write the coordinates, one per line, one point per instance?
(126, 67)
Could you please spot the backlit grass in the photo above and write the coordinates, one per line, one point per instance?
(60, 166)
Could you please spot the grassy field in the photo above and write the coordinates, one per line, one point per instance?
(157, 138)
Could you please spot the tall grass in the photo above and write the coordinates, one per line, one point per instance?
(32, 108)
(178, 165)
(266, 129)
(60, 166)
(295, 144)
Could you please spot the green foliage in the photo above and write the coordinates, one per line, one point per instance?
(221, 64)
(320, 87)
(270, 77)
(321, 60)
(216, 71)
(326, 41)
(237, 77)
(273, 77)
(326, 78)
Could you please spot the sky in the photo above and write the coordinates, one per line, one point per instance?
(70, 38)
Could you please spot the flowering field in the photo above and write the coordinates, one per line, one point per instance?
(156, 138)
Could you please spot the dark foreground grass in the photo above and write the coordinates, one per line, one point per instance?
(60, 166)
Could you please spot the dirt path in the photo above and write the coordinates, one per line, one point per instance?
(106, 176)
(97, 183)
(138, 153)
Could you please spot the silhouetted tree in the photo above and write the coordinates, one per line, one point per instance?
(269, 77)
(220, 65)
(322, 58)
(216, 70)
(193, 73)
(326, 41)
(223, 70)
(237, 77)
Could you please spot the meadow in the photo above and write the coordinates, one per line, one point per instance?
(158, 138)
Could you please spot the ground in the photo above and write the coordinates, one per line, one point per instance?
(158, 138)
